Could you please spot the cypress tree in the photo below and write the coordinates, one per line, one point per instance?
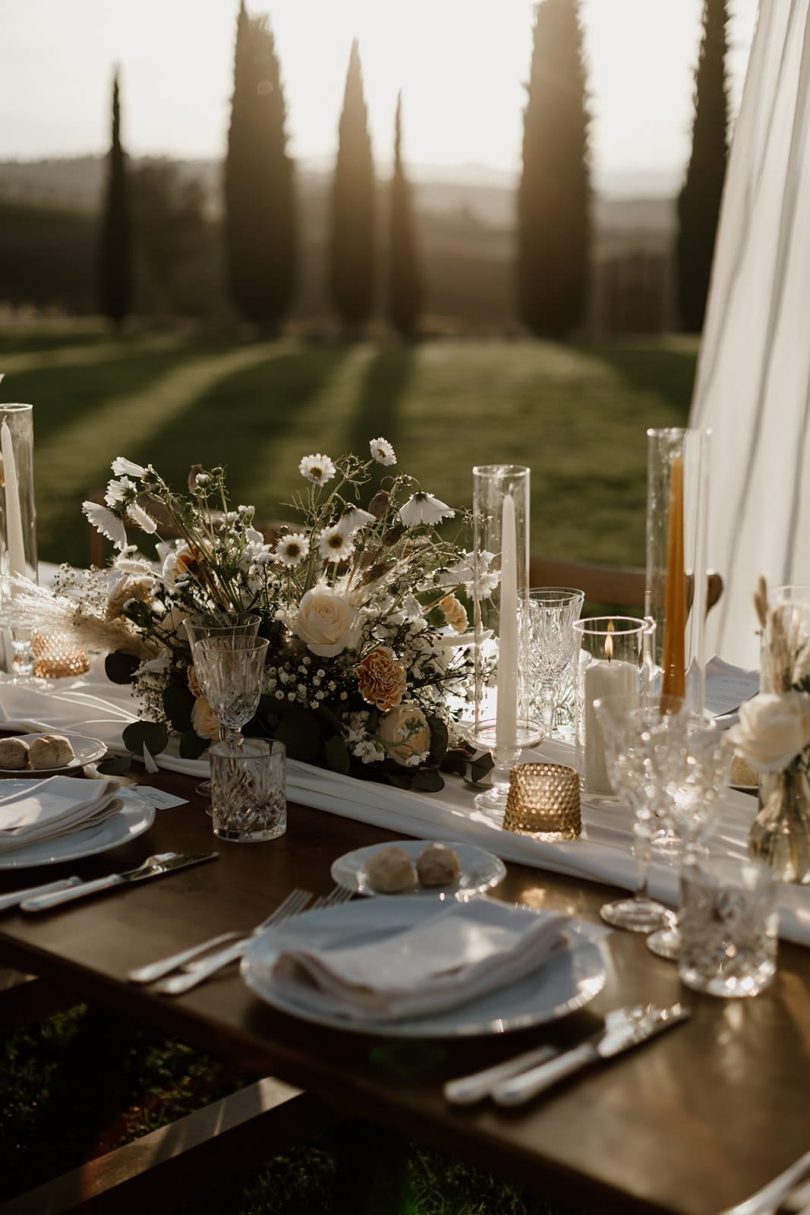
(115, 254)
(699, 200)
(553, 248)
(260, 235)
(404, 285)
(352, 244)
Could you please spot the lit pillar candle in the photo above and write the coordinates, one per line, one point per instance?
(506, 723)
(14, 530)
(603, 678)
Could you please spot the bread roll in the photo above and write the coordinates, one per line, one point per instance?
(741, 774)
(64, 749)
(13, 753)
(42, 754)
(437, 865)
(391, 870)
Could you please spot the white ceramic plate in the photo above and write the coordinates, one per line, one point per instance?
(566, 983)
(87, 750)
(480, 870)
(134, 817)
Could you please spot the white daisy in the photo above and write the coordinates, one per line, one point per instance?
(317, 469)
(352, 519)
(120, 491)
(424, 508)
(106, 522)
(292, 550)
(137, 515)
(334, 545)
(382, 451)
(126, 468)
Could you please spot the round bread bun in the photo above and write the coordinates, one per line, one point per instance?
(391, 870)
(64, 749)
(437, 865)
(13, 754)
(42, 754)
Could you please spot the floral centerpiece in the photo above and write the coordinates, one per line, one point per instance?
(773, 738)
(364, 608)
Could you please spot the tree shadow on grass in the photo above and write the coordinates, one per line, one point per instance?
(667, 372)
(234, 423)
(61, 395)
(377, 414)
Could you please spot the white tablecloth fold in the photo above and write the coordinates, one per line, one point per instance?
(91, 705)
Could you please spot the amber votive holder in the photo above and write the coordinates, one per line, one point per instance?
(57, 656)
(544, 802)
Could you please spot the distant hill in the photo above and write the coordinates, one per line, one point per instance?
(466, 230)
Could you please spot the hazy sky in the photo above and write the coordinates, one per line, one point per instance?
(460, 63)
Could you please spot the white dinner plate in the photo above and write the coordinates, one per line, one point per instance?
(87, 751)
(134, 817)
(564, 984)
(479, 871)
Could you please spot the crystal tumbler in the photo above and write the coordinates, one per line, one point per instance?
(248, 790)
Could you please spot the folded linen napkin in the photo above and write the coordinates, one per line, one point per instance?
(54, 807)
(448, 959)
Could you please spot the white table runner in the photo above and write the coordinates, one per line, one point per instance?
(91, 705)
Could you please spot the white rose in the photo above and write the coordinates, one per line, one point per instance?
(326, 621)
(405, 734)
(774, 728)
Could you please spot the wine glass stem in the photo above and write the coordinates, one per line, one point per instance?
(642, 851)
(232, 738)
(549, 709)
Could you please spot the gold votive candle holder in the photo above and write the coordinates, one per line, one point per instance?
(57, 656)
(544, 802)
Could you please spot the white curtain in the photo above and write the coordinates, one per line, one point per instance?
(753, 379)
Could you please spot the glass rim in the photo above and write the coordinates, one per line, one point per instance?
(639, 626)
(501, 470)
(14, 407)
(198, 620)
(249, 749)
(571, 591)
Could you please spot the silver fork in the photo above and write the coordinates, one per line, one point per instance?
(295, 901)
(198, 972)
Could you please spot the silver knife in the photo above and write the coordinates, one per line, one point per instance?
(624, 1028)
(153, 866)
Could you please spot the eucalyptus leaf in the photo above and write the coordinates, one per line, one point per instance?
(337, 755)
(191, 746)
(427, 780)
(120, 667)
(177, 705)
(153, 735)
(114, 765)
(301, 734)
(439, 738)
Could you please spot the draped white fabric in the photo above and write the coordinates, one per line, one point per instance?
(753, 381)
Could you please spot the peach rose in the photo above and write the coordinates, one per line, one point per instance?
(405, 734)
(381, 678)
(455, 613)
(204, 723)
(193, 683)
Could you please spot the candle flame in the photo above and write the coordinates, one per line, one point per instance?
(609, 642)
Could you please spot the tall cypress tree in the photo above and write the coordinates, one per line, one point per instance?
(404, 284)
(699, 200)
(553, 247)
(352, 245)
(260, 229)
(115, 252)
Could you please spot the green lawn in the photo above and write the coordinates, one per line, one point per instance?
(577, 415)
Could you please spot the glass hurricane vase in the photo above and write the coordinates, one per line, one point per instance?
(780, 833)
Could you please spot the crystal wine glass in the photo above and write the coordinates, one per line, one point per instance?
(627, 726)
(552, 612)
(230, 673)
(199, 627)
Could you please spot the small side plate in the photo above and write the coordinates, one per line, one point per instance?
(480, 870)
(87, 751)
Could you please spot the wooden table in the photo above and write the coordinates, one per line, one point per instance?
(687, 1124)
